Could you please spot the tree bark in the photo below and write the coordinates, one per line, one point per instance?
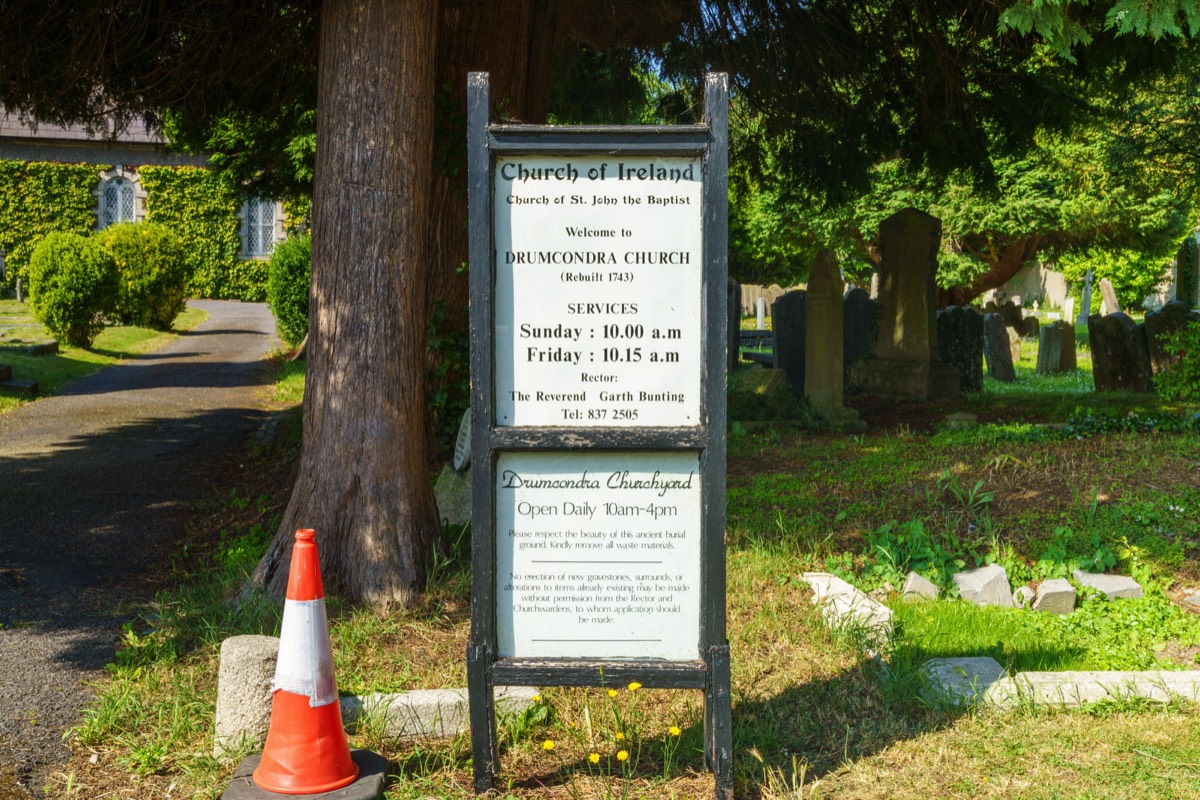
(362, 481)
(1004, 262)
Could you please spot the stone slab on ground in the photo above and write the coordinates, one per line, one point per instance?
(244, 692)
(1023, 597)
(372, 777)
(1070, 689)
(1111, 586)
(986, 586)
(918, 587)
(843, 605)
(962, 681)
(1193, 599)
(1055, 596)
(425, 713)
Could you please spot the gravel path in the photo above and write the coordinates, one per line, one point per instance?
(93, 488)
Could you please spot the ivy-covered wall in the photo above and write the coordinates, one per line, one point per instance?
(201, 208)
(38, 198)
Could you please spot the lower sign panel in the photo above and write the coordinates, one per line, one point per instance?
(598, 555)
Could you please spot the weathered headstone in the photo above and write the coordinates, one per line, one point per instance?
(20, 291)
(787, 322)
(734, 313)
(1109, 303)
(462, 443)
(1010, 312)
(1120, 356)
(1187, 272)
(1055, 596)
(996, 349)
(761, 313)
(1014, 344)
(825, 323)
(1069, 309)
(874, 286)
(858, 327)
(918, 587)
(452, 495)
(960, 342)
(1113, 587)
(824, 316)
(1085, 306)
(1056, 349)
(905, 362)
(1030, 327)
(1173, 316)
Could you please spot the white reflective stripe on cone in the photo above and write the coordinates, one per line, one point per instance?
(305, 664)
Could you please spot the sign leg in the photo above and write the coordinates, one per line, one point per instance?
(718, 722)
(484, 747)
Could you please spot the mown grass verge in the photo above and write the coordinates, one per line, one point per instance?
(812, 718)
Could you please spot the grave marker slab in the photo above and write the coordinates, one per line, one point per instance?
(1120, 355)
(1056, 349)
(1173, 316)
(997, 350)
(789, 327)
(960, 342)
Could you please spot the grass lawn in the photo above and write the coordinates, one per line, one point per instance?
(812, 718)
(18, 327)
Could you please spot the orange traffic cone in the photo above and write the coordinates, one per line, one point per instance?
(306, 750)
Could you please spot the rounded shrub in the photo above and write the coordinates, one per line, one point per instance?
(72, 285)
(152, 265)
(288, 275)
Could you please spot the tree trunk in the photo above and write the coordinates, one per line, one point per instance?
(1004, 264)
(362, 480)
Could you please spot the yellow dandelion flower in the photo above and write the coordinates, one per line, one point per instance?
(619, 736)
(594, 758)
(612, 692)
(548, 745)
(674, 730)
(633, 687)
(622, 755)
(537, 698)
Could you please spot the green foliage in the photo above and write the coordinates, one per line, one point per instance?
(1068, 551)
(895, 549)
(152, 269)
(289, 275)
(39, 198)
(72, 285)
(1181, 379)
(448, 389)
(1134, 273)
(201, 207)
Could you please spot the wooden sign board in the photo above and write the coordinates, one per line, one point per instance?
(598, 300)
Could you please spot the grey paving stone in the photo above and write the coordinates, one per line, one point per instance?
(961, 681)
(918, 587)
(1071, 689)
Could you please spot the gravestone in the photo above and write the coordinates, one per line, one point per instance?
(1014, 344)
(1187, 273)
(1069, 309)
(1085, 306)
(1030, 327)
(960, 344)
(787, 323)
(761, 315)
(905, 362)
(824, 376)
(1010, 312)
(1056, 348)
(734, 313)
(1109, 303)
(858, 327)
(1120, 356)
(462, 443)
(1173, 316)
(996, 349)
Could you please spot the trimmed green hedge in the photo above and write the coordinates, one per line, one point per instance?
(40, 198)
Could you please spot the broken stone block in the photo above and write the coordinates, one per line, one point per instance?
(986, 586)
(1111, 586)
(1055, 596)
(962, 681)
(1193, 599)
(843, 605)
(918, 587)
(1023, 597)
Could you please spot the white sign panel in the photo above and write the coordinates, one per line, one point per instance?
(598, 290)
(598, 555)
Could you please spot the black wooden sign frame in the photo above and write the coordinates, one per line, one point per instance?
(710, 669)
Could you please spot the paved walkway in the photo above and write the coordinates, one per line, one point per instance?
(93, 488)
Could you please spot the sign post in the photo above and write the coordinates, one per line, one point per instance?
(598, 377)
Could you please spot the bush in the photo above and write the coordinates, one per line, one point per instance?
(153, 270)
(288, 274)
(1181, 380)
(72, 285)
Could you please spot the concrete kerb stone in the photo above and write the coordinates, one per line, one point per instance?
(244, 693)
(425, 713)
(845, 607)
(1074, 689)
